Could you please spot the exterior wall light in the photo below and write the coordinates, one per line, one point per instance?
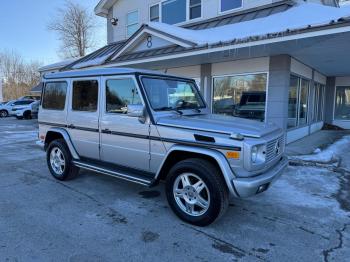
(114, 21)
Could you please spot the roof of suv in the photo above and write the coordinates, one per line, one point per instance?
(101, 72)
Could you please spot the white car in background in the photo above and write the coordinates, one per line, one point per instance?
(26, 111)
(7, 109)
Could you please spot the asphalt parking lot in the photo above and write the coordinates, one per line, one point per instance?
(303, 217)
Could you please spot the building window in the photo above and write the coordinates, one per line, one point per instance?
(318, 102)
(174, 11)
(132, 22)
(54, 97)
(227, 5)
(298, 102)
(85, 96)
(195, 9)
(154, 15)
(342, 103)
(303, 105)
(119, 94)
(241, 96)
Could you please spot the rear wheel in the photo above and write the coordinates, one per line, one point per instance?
(196, 191)
(4, 113)
(59, 161)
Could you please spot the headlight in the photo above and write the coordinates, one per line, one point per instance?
(254, 154)
(258, 154)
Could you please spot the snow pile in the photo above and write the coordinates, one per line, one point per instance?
(330, 155)
(298, 17)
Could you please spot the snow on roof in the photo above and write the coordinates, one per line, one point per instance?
(57, 65)
(299, 17)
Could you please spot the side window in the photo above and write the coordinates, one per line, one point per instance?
(54, 97)
(119, 94)
(85, 95)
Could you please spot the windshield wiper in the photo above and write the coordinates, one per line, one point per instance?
(170, 108)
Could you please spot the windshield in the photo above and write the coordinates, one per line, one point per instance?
(172, 94)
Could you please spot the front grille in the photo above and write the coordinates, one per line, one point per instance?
(272, 151)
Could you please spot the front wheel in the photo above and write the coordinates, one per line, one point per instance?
(196, 191)
(59, 161)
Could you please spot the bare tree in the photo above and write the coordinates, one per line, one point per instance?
(17, 75)
(75, 27)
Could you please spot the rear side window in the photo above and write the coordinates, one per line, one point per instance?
(85, 96)
(55, 96)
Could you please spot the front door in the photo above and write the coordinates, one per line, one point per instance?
(124, 139)
(83, 117)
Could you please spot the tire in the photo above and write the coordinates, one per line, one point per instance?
(27, 115)
(3, 114)
(213, 191)
(61, 167)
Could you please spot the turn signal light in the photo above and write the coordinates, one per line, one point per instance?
(233, 155)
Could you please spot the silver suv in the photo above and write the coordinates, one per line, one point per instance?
(147, 127)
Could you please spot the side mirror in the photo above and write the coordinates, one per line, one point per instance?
(135, 110)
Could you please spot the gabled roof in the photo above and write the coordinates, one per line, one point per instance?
(102, 7)
(37, 88)
(57, 66)
(292, 21)
(95, 58)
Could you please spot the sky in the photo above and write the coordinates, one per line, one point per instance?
(23, 28)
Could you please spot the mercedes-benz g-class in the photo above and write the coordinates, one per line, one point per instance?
(147, 127)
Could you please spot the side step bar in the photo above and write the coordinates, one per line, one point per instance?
(117, 174)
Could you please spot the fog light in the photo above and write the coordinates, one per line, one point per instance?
(262, 188)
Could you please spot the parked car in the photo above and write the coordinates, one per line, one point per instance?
(6, 109)
(125, 123)
(252, 106)
(26, 111)
(31, 97)
(225, 106)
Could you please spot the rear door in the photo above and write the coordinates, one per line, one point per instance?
(83, 117)
(124, 139)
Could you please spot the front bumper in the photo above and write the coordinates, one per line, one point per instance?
(40, 144)
(246, 187)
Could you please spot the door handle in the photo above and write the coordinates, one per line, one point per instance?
(71, 126)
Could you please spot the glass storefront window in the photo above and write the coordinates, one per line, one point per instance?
(298, 102)
(241, 96)
(293, 101)
(342, 103)
(303, 105)
(318, 102)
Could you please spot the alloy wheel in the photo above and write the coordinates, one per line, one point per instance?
(57, 161)
(191, 194)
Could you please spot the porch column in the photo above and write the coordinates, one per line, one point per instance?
(311, 101)
(329, 101)
(206, 83)
(278, 90)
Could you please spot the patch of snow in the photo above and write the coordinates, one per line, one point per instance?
(328, 155)
(57, 65)
(93, 62)
(298, 17)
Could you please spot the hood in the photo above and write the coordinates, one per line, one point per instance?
(219, 124)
